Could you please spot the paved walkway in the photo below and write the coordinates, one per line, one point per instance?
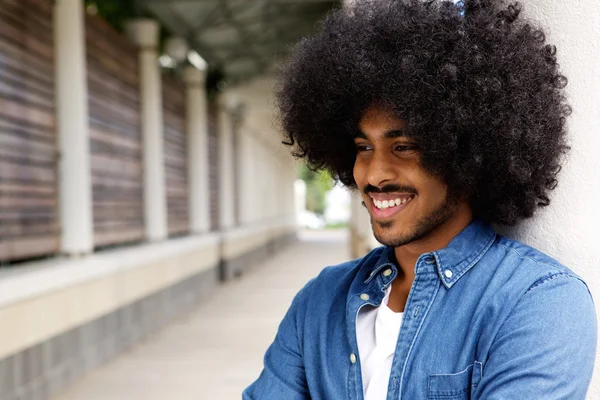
(217, 350)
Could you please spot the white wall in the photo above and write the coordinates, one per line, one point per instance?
(267, 170)
(568, 229)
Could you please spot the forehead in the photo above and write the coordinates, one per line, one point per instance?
(380, 122)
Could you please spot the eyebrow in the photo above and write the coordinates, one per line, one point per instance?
(395, 133)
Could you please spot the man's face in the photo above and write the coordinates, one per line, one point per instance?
(405, 202)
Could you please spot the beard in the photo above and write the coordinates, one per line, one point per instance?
(423, 227)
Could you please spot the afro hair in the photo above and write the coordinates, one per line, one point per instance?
(480, 89)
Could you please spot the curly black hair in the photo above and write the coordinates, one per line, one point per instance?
(479, 87)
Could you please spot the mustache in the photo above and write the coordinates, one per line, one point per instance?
(391, 188)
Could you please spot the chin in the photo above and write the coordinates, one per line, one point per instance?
(389, 233)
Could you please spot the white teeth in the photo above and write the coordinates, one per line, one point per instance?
(382, 205)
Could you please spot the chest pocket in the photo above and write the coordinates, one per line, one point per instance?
(456, 386)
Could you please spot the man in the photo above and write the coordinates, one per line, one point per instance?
(447, 118)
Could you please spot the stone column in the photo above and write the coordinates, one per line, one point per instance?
(262, 200)
(276, 178)
(75, 186)
(243, 175)
(197, 131)
(276, 198)
(363, 239)
(144, 33)
(257, 160)
(288, 178)
(226, 170)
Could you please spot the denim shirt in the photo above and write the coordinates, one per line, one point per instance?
(486, 318)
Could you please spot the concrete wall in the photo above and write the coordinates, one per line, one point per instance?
(568, 229)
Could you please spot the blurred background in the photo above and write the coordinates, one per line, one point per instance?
(142, 176)
(153, 228)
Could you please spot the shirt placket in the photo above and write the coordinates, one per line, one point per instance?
(371, 294)
(421, 296)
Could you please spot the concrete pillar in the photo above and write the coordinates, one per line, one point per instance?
(238, 156)
(276, 199)
(278, 212)
(197, 133)
(363, 239)
(288, 179)
(226, 171)
(144, 33)
(239, 177)
(75, 186)
(251, 179)
(262, 199)
(275, 176)
(244, 174)
(567, 228)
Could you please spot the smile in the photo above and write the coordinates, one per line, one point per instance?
(385, 208)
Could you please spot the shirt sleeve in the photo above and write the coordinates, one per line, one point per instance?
(283, 376)
(546, 348)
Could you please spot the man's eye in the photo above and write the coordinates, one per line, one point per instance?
(362, 147)
(405, 148)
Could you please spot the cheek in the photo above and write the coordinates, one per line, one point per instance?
(435, 192)
(431, 189)
(358, 172)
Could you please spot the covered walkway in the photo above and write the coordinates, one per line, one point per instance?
(217, 349)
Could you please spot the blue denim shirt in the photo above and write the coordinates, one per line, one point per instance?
(486, 318)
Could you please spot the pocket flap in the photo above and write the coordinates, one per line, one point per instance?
(444, 386)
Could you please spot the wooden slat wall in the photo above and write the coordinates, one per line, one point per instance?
(28, 152)
(213, 163)
(175, 151)
(115, 137)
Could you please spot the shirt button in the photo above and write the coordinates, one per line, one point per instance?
(353, 358)
(448, 273)
(364, 296)
(387, 272)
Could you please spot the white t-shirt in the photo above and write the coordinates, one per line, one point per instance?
(377, 330)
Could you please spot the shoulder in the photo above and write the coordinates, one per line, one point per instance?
(530, 265)
(540, 317)
(335, 280)
(530, 260)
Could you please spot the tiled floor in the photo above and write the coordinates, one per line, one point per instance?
(217, 350)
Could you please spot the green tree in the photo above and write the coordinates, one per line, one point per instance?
(115, 12)
(318, 183)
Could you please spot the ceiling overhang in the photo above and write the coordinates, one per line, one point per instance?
(245, 38)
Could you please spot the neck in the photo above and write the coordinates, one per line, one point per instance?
(437, 239)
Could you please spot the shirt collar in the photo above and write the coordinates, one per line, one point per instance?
(463, 252)
(451, 262)
(386, 260)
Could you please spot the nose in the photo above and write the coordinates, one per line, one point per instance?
(380, 170)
